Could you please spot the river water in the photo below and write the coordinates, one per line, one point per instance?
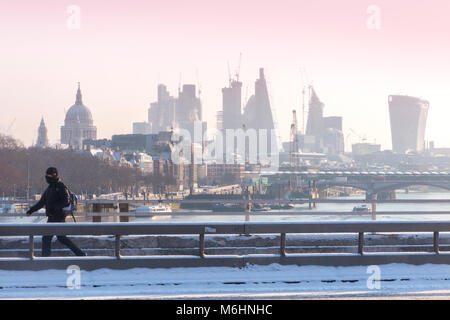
(310, 215)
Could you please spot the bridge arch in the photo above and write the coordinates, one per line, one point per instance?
(403, 185)
(321, 187)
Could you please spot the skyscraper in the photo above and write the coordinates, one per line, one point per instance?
(231, 106)
(161, 114)
(315, 124)
(188, 118)
(313, 139)
(408, 117)
(332, 123)
(258, 116)
(323, 134)
(42, 140)
(230, 117)
(189, 107)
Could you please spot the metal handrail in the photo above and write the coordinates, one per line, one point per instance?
(117, 230)
(242, 201)
(220, 228)
(249, 213)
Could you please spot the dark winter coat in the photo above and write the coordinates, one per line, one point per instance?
(55, 198)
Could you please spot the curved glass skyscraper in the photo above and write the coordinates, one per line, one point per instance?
(408, 121)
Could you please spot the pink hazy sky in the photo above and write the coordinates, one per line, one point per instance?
(123, 49)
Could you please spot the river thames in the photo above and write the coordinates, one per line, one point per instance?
(301, 212)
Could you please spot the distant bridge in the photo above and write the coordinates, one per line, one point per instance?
(372, 182)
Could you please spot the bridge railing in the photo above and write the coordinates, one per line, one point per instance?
(240, 201)
(200, 230)
(88, 214)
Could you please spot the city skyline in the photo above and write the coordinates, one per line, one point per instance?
(119, 60)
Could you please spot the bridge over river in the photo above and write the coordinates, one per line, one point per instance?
(372, 182)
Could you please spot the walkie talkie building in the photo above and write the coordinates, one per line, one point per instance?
(408, 121)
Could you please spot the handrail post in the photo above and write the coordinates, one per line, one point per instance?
(315, 195)
(247, 211)
(116, 207)
(31, 247)
(283, 245)
(374, 197)
(436, 242)
(202, 245)
(361, 243)
(117, 246)
(124, 207)
(309, 195)
(97, 207)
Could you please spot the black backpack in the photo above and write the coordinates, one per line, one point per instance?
(73, 203)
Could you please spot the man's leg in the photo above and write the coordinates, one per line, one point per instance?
(68, 243)
(46, 245)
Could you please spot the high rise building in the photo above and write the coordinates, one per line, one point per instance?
(333, 141)
(231, 106)
(78, 124)
(161, 114)
(142, 128)
(179, 115)
(258, 115)
(230, 118)
(323, 134)
(42, 141)
(408, 117)
(188, 107)
(313, 141)
(315, 124)
(188, 117)
(332, 123)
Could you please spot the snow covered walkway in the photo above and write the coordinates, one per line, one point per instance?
(273, 281)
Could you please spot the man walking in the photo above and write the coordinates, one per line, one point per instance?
(54, 198)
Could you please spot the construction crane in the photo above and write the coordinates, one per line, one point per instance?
(238, 69)
(362, 138)
(305, 83)
(303, 110)
(294, 139)
(229, 74)
(10, 126)
(353, 132)
(236, 72)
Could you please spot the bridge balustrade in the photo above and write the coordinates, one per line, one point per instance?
(201, 230)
